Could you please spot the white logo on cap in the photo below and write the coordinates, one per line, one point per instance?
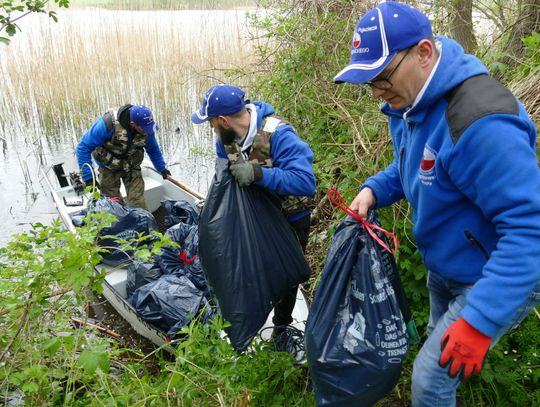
(360, 50)
(367, 29)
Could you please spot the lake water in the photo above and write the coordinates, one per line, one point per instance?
(58, 78)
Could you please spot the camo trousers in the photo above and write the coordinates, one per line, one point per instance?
(133, 181)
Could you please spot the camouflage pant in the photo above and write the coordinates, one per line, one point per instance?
(133, 181)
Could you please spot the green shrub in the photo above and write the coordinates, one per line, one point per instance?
(349, 138)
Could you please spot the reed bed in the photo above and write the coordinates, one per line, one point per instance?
(164, 4)
(94, 59)
(57, 78)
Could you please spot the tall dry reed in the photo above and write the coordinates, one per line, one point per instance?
(57, 78)
(66, 72)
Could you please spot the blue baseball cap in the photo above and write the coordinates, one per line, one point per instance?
(219, 100)
(142, 117)
(379, 35)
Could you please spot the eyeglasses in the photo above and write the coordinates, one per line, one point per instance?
(384, 83)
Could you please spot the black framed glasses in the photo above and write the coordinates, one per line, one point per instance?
(384, 83)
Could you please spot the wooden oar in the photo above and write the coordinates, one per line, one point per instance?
(99, 328)
(185, 187)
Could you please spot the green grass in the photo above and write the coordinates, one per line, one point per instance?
(46, 361)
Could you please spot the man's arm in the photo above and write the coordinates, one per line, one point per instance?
(93, 138)
(494, 165)
(292, 173)
(154, 152)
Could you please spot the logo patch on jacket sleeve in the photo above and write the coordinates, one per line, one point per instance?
(427, 166)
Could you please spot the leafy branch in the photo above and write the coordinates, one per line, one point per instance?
(11, 12)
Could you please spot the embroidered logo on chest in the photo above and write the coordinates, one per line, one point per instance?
(426, 172)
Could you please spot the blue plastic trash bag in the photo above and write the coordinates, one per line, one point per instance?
(184, 261)
(356, 337)
(171, 302)
(140, 273)
(131, 222)
(179, 211)
(78, 219)
(248, 252)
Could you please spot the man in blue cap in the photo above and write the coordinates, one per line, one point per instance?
(465, 160)
(117, 142)
(265, 151)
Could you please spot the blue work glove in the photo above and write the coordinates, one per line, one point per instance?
(246, 172)
(165, 173)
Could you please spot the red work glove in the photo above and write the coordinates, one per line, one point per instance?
(464, 348)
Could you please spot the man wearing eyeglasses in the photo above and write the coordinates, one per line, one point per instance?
(465, 160)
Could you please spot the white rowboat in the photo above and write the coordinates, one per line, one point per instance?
(69, 202)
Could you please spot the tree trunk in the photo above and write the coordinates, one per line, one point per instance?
(527, 21)
(461, 27)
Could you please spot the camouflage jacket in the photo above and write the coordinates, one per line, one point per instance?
(119, 153)
(260, 153)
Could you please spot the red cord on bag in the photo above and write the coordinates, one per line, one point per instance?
(337, 200)
(183, 257)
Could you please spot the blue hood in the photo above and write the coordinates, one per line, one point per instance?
(454, 67)
(263, 109)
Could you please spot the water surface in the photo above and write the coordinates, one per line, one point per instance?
(58, 78)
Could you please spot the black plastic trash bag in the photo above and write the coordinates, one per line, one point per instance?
(131, 222)
(248, 252)
(179, 211)
(171, 302)
(140, 273)
(356, 338)
(184, 261)
(78, 219)
(186, 236)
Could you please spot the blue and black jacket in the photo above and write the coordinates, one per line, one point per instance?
(464, 157)
(292, 171)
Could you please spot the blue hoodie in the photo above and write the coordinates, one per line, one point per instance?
(476, 201)
(98, 135)
(292, 171)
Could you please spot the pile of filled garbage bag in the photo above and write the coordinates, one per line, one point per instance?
(170, 290)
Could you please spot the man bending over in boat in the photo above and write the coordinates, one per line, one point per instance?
(117, 142)
(266, 151)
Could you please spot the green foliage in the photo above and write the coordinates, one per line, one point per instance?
(532, 61)
(12, 11)
(38, 345)
(45, 360)
(309, 44)
(520, 71)
(207, 368)
(341, 123)
(91, 360)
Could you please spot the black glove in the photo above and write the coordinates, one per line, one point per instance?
(90, 183)
(246, 172)
(165, 173)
